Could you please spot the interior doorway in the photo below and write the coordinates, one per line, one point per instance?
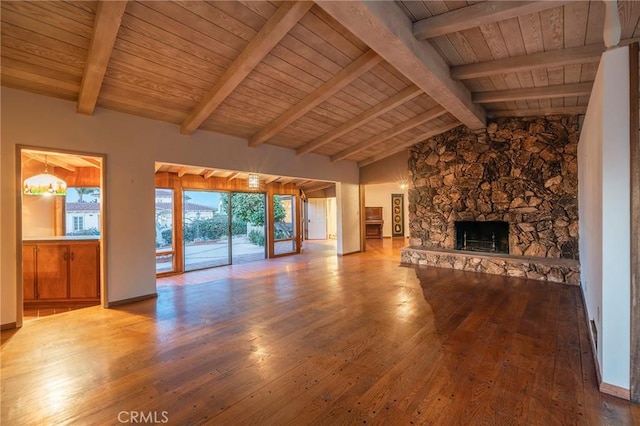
(61, 226)
(317, 219)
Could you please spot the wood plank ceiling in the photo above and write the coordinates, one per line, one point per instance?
(349, 80)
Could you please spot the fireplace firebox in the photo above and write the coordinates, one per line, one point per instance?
(484, 236)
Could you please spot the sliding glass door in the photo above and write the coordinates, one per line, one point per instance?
(248, 213)
(206, 236)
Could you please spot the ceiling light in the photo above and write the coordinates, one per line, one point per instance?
(254, 181)
(45, 183)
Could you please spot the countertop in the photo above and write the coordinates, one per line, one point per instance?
(62, 238)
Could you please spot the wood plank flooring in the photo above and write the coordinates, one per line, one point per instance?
(316, 339)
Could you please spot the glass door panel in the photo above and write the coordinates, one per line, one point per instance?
(165, 251)
(284, 230)
(206, 229)
(248, 212)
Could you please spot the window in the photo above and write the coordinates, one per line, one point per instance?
(78, 223)
(82, 211)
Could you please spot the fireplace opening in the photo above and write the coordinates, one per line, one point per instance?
(489, 237)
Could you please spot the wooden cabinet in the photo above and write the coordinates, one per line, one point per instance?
(373, 222)
(61, 271)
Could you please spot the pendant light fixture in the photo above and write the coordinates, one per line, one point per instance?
(254, 181)
(45, 183)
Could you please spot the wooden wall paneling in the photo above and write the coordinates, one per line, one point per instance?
(634, 128)
(82, 176)
(59, 224)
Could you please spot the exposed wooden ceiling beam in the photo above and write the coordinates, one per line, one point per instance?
(548, 92)
(91, 162)
(280, 23)
(284, 180)
(271, 179)
(388, 31)
(357, 121)
(405, 145)
(233, 175)
(388, 134)
(536, 112)
(105, 30)
(318, 187)
(551, 59)
(56, 161)
(343, 78)
(182, 171)
(209, 173)
(554, 58)
(478, 14)
(157, 167)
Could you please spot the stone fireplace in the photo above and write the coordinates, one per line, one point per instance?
(520, 173)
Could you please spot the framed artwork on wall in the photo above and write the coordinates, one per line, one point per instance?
(397, 215)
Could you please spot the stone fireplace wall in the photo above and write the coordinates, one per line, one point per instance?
(520, 170)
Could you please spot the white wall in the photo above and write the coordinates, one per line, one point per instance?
(348, 217)
(332, 223)
(604, 202)
(132, 145)
(38, 216)
(379, 195)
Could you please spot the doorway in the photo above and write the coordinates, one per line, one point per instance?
(205, 229)
(221, 228)
(61, 228)
(248, 227)
(317, 219)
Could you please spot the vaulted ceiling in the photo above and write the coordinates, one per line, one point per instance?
(350, 80)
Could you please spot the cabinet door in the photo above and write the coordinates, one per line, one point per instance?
(29, 272)
(84, 271)
(51, 265)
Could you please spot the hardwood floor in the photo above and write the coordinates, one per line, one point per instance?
(316, 339)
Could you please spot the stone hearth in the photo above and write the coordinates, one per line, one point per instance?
(566, 271)
(522, 171)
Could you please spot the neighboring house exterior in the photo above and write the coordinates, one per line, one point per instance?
(82, 218)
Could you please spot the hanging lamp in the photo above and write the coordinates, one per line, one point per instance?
(253, 181)
(45, 183)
